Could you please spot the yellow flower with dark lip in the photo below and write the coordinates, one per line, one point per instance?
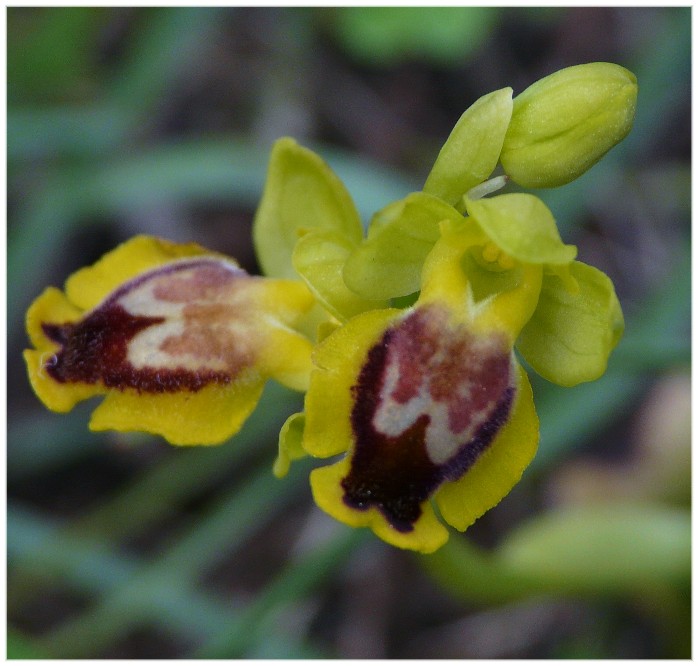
(180, 339)
(427, 403)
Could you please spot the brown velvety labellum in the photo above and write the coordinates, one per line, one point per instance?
(429, 399)
(179, 327)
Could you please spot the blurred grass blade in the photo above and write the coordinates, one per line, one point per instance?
(227, 169)
(295, 581)
(170, 40)
(162, 490)
(43, 133)
(44, 442)
(570, 416)
(171, 577)
(91, 569)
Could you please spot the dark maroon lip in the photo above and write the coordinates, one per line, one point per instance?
(394, 473)
(94, 350)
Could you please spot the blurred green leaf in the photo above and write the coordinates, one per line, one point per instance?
(468, 572)
(603, 549)
(386, 35)
(51, 52)
(607, 550)
(20, 646)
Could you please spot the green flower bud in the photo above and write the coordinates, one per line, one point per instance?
(564, 123)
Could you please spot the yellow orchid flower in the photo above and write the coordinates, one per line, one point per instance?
(181, 341)
(414, 381)
(426, 402)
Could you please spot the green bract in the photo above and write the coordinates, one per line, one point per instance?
(563, 124)
(471, 152)
(388, 263)
(523, 227)
(301, 193)
(290, 447)
(570, 336)
(319, 257)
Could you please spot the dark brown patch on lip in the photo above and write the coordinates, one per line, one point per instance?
(394, 473)
(95, 349)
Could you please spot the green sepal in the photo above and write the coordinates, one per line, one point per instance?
(570, 336)
(319, 257)
(523, 227)
(472, 150)
(566, 122)
(388, 264)
(301, 193)
(290, 448)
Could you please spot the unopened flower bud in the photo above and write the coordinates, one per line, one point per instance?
(564, 123)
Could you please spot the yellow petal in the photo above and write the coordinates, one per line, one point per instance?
(50, 306)
(208, 416)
